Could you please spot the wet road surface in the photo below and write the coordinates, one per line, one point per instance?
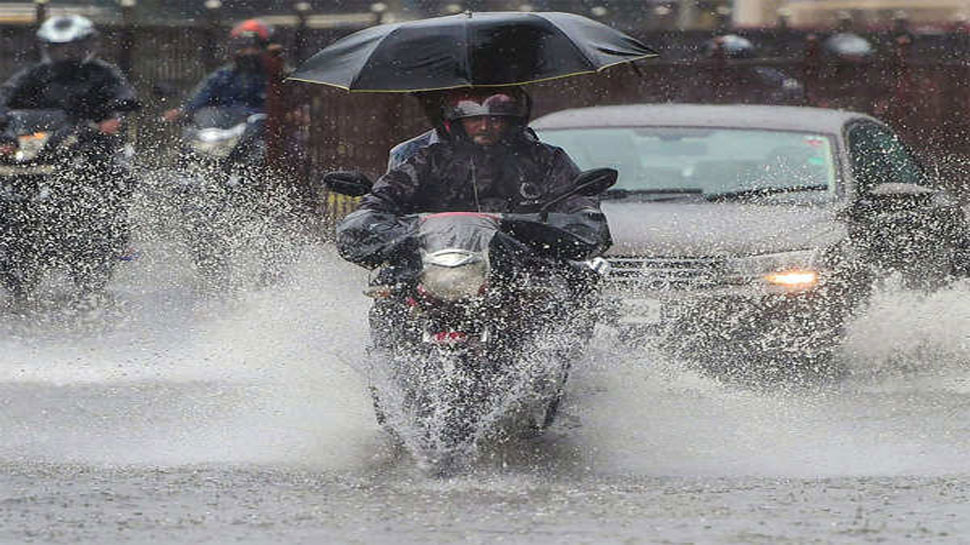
(172, 418)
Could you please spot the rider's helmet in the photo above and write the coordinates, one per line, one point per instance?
(731, 46)
(68, 39)
(250, 33)
(510, 102)
(847, 47)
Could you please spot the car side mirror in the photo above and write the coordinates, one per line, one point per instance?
(888, 197)
(348, 182)
(588, 183)
(899, 190)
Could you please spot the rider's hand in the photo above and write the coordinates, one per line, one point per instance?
(8, 145)
(172, 115)
(110, 126)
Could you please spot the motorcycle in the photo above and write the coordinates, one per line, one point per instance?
(477, 319)
(225, 195)
(222, 153)
(64, 192)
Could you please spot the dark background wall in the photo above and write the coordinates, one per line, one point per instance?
(917, 83)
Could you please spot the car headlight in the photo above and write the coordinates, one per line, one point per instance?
(792, 271)
(453, 275)
(797, 279)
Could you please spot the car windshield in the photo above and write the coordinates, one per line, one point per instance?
(664, 162)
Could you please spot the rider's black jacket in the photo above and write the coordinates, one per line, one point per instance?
(91, 91)
(451, 176)
(460, 176)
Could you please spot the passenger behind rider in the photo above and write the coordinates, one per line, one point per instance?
(242, 83)
(70, 78)
(431, 104)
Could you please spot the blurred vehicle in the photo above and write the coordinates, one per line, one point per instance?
(229, 201)
(751, 233)
(63, 202)
(222, 157)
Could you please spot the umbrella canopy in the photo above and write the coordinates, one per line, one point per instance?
(470, 49)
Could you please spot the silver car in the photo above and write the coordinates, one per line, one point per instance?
(751, 233)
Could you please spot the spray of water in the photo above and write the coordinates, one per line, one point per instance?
(273, 376)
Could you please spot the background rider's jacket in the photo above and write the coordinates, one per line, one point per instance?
(94, 90)
(230, 86)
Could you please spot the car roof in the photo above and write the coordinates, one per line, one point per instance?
(740, 116)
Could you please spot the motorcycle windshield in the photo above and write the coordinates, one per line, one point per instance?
(33, 121)
(457, 230)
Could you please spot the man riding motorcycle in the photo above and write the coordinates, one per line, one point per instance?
(71, 78)
(487, 160)
(476, 320)
(248, 185)
(92, 199)
(242, 83)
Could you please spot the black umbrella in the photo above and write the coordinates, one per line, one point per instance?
(470, 49)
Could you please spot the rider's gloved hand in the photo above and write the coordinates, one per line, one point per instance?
(370, 238)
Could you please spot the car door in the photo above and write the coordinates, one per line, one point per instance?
(899, 222)
(878, 156)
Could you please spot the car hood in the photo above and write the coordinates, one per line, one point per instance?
(712, 229)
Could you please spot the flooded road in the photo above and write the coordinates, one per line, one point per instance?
(179, 419)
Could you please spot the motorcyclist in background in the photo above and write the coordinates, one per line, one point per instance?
(258, 190)
(71, 78)
(86, 207)
(243, 82)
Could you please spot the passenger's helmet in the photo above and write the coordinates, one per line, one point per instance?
(68, 38)
(250, 33)
(731, 46)
(505, 102)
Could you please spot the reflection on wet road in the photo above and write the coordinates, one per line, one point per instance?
(176, 419)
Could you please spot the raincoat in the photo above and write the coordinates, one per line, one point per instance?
(91, 91)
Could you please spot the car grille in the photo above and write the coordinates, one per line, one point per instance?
(669, 273)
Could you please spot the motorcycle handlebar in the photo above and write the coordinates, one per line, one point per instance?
(574, 236)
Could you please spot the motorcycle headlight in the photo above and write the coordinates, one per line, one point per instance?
(453, 275)
(216, 142)
(29, 146)
(792, 271)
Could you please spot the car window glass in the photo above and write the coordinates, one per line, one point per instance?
(878, 156)
(709, 161)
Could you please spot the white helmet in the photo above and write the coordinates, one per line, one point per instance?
(65, 29)
(68, 38)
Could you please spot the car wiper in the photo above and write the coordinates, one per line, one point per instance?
(655, 194)
(763, 191)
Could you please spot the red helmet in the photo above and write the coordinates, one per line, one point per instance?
(507, 102)
(251, 32)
